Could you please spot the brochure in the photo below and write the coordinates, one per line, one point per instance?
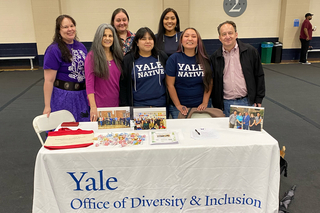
(203, 133)
(158, 137)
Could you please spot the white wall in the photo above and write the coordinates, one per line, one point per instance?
(261, 18)
(26, 21)
(90, 14)
(16, 25)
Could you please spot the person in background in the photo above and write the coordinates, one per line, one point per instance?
(189, 75)
(233, 119)
(120, 21)
(103, 70)
(101, 120)
(143, 82)
(305, 37)
(238, 74)
(252, 122)
(257, 122)
(64, 78)
(246, 120)
(168, 32)
(239, 120)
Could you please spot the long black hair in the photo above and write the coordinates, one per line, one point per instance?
(57, 38)
(162, 29)
(201, 57)
(139, 35)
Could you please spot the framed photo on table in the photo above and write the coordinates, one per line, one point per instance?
(113, 117)
(246, 118)
(149, 118)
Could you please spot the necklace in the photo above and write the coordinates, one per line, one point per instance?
(109, 58)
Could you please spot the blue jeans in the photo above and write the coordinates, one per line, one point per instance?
(173, 111)
(227, 103)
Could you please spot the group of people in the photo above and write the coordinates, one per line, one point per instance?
(246, 122)
(106, 121)
(150, 123)
(170, 69)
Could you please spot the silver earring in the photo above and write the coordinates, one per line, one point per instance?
(196, 50)
(182, 48)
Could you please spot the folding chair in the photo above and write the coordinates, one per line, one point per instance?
(207, 113)
(41, 123)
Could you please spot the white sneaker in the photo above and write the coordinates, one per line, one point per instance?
(306, 62)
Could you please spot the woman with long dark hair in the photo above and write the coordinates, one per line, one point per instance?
(64, 78)
(103, 70)
(168, 32)
(189, 74)
(143, 83)
(120, 22)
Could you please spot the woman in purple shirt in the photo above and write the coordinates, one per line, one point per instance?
(103, 70)
(64, 79)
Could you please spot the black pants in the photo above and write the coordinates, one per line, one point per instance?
(304, 50)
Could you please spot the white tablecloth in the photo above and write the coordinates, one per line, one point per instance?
(238, 171)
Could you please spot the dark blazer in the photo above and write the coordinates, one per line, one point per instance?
(252, 71)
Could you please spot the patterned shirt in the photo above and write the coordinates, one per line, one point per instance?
(128, 42)
(66, 71)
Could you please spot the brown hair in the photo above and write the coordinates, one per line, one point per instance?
(118, 10)
(227, 22)
(65, 52)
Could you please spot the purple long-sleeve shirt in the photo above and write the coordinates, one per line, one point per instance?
(106, 91)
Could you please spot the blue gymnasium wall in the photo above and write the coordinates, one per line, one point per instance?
(86, 44)
(211, 45)
(18, 49)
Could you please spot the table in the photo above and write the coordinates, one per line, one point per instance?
(238, 171)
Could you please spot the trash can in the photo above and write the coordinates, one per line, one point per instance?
(276, 52)
(266, 52)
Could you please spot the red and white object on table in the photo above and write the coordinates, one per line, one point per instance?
(66, 138)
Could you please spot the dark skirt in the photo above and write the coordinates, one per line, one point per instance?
(74, 101)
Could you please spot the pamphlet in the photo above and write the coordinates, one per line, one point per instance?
(203, 133)
(163, 137)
